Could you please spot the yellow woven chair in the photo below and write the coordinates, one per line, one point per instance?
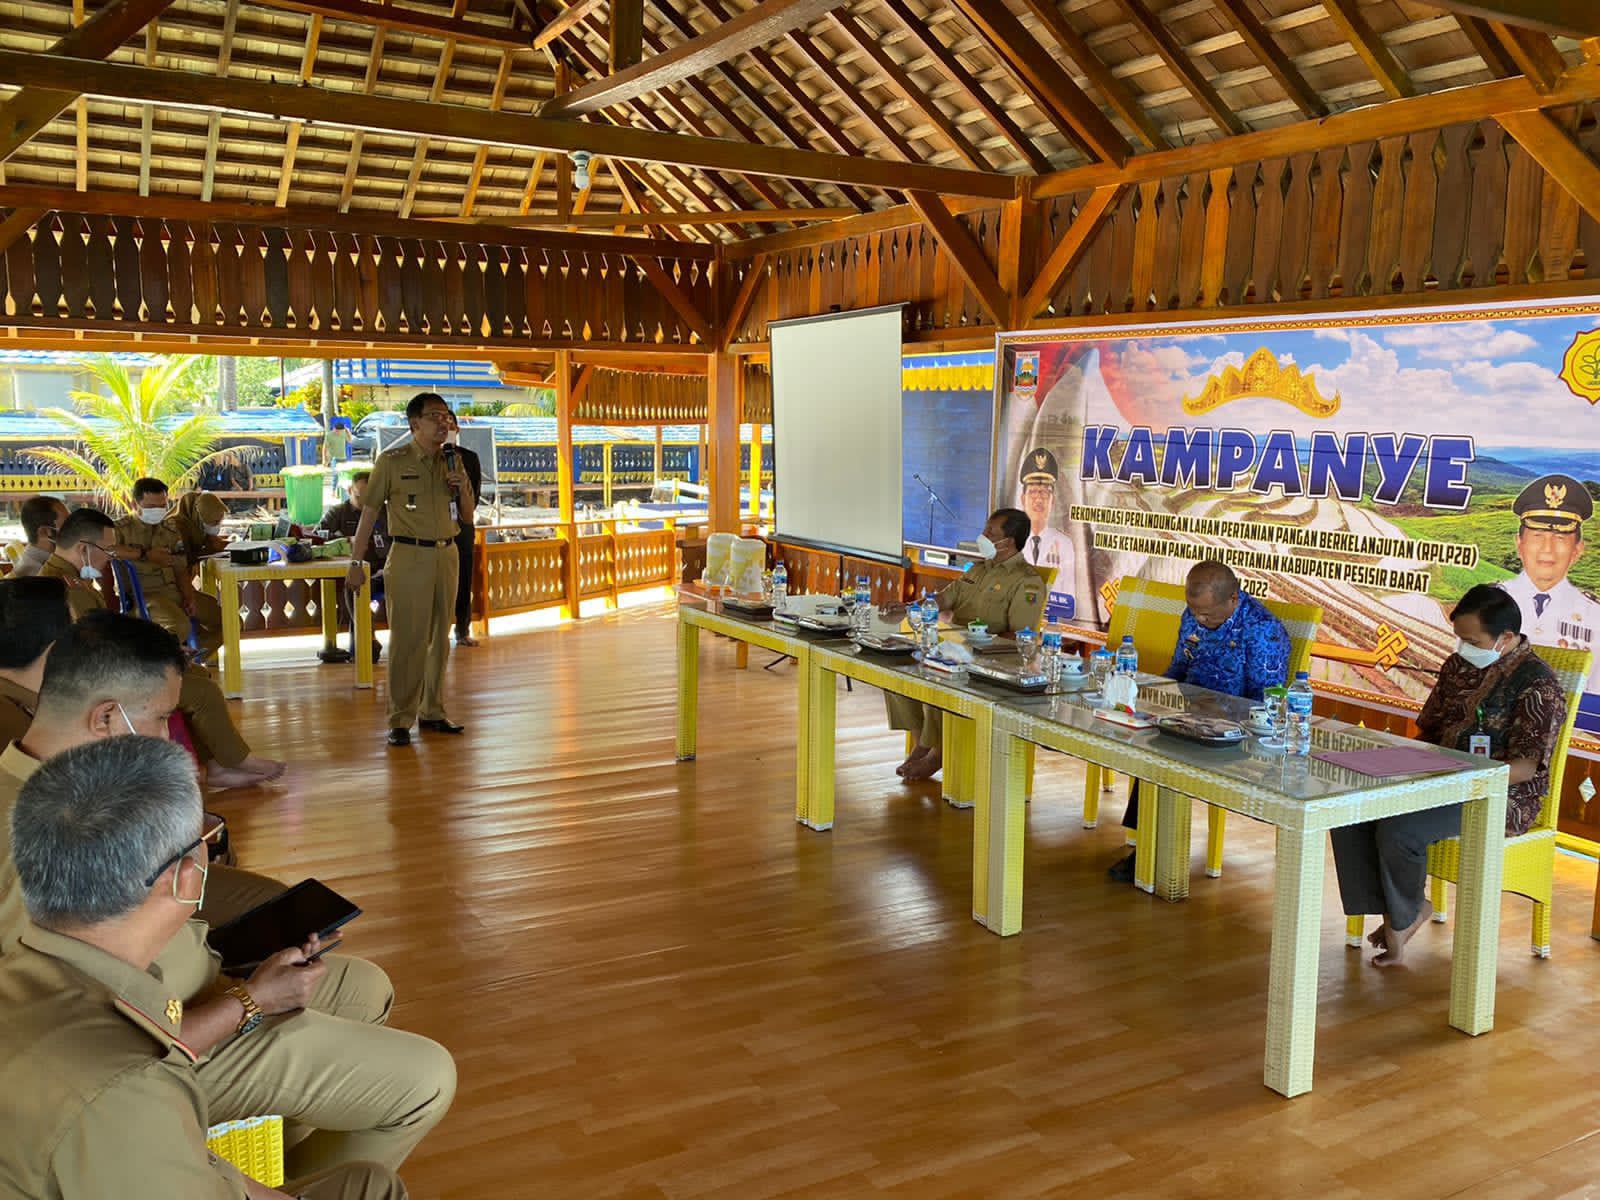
(1530, 858)
(1302, 622)
(254, 1145)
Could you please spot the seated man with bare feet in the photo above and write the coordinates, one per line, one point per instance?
(1493, 688)
(1006, 592)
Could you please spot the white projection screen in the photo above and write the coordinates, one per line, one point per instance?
(836, 432)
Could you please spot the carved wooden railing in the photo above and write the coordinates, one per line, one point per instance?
(87, 271)
(612, 557)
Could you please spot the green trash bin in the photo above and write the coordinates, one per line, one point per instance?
(302, 487)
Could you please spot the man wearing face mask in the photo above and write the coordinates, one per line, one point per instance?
(1005, 592)
(100, 1094)
(159, 556)
(41, 517)
(303, 1040)
(197, 520)
(1495, 697)
(82, 551)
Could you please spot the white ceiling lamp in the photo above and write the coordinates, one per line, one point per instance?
(580, 169)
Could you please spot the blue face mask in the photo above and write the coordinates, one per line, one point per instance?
(1477, 656)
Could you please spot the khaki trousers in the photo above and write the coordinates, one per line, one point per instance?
(420, 591)
(166, 612)
(924, 721)
(368, 1093)
(363, 1181)
(210, 723)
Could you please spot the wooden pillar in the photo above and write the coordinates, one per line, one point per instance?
(722, 434)
(605, 477)
(661, 456)
(564, 504)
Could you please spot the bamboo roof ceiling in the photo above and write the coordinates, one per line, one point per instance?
(999, 87)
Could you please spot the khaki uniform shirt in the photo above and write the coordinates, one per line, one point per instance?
(413, 488)
(155, 581)
(1008, 596)
(98, 1095)
(83, 597)
(16, 712)
(188, 964)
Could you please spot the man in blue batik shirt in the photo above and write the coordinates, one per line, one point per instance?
(1227, 642)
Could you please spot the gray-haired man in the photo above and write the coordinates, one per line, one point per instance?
(110, 849)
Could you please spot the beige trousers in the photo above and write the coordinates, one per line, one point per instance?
(924, 721)
(420, 591)
(361, 1181)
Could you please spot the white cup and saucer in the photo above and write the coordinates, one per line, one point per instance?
(978, 633)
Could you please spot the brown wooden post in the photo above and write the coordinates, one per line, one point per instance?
(722, 433)
(564, 504)
(755, 469)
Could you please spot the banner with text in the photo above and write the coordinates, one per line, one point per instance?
(1378, 465)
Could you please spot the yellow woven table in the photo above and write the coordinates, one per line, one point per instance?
(1303, 798)
(254, 1145)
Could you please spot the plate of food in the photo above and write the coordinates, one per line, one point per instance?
(1208, 731)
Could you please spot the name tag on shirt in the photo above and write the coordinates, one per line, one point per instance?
(1478, 744)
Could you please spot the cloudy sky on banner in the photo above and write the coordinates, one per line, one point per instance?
(1496, 380)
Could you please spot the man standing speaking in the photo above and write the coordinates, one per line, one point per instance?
(425, 497)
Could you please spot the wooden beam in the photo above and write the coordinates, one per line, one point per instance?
(1184, 67)
(722, 433)
(1258, 38)
(564, 464)
(1487, 45)
(581, 384)
(721, 216)
(441, 78)
(291, 145)
(408, 20)
(80, 118)
(625, 35)
(1552, 147)
(1069, 248)
(742, 299)
(478, 126)
(1532, 52)
(31, 109)
(208, 176)
(1063, 101)
(147, 115)
(1380, 60)
(369, 82)
(171, 207)
(17, 224)
(674, 295)
(1574, 18)
(563, 21)
(1116, 92)
(977, 95)
(480, 157)
(853, 95)
(1389, 119)
(752, 29)
(534, 175)
(965, 254)
(861, 225)
(870, 43)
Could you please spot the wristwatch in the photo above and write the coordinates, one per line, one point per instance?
(253, 1015)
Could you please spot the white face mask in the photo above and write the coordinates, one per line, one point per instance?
(214, 530)
(153, 516)
(986, 547)
(1477, 656)
(88, 572)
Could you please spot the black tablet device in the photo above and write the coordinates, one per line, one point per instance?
(285, 920)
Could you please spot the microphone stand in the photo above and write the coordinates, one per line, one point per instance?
(933, 497)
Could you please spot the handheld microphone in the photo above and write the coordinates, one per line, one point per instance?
(449, 457)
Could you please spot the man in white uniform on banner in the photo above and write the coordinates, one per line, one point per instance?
(1046, 547)
(1553, 509)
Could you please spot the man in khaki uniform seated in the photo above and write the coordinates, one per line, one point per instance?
(1006, 592)
(99, 1095)
(161, 560)
(82, 552)
(369, 1092)
(33, 614)
(41, 517)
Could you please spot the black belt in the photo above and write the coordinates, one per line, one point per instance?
(430, 543)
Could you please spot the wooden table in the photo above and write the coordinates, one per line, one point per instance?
(222, 579)
(1302, 798)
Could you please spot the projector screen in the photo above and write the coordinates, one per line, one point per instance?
(836, 432)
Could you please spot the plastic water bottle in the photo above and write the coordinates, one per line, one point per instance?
(1127, 657)
(1300, 713)
(861, 614)
(930, 623)
(1050, 655)
(1101, 664)
(780, 586)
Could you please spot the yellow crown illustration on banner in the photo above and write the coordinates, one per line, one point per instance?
(1262, 376)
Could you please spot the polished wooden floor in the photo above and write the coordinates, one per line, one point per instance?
(656, 984)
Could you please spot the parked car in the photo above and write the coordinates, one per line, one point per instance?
(364, 439)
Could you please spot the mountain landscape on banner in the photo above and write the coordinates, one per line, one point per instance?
(1437, 382)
